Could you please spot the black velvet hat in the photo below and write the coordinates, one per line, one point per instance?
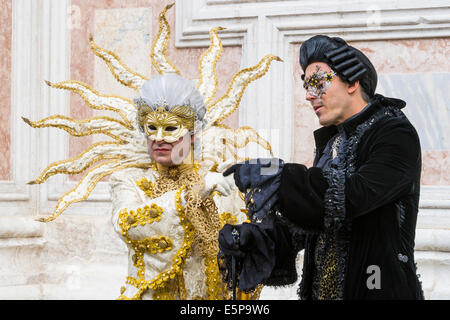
(347, 61)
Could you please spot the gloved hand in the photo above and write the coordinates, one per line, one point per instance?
(214, 181)
(254, 173)
(236, 240)
(253, 250)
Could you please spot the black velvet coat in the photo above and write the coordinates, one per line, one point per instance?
(364, 209)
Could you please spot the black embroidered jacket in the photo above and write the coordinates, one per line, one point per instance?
(356, 218)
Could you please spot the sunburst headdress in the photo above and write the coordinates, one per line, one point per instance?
(170, 107)
(128, 147)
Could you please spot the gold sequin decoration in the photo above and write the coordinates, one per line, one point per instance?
(215, 288)
(142, 216)
(161, 282)
(228, 218)
(174, 289)
(146, 186)
(328, 278)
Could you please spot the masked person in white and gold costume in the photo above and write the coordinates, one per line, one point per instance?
(168, 194)
(167, 215)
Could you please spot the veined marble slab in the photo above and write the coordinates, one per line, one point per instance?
(427, 96)
(128, 33)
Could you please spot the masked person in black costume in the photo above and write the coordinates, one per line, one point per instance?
(354, 212)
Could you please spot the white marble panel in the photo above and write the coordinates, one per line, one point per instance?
(427, 96)
(128, 33)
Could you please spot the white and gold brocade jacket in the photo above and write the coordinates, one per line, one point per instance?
(163, 261)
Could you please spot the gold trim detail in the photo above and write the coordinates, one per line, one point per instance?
(158, 54)
(119, 70)
(142, 216)
(63, 203)
(146, 186)
(215, 287)
(238, 84)
(210, 57)
(60, 167)
(79, 128)
(161, 283)
(99, 103)
(228, 218)
(250, 135)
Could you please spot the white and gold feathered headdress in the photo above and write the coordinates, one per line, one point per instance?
(128, 147)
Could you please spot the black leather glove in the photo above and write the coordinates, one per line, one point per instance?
(255, 172)
(253, 250)
(236, 240)
(261, 178)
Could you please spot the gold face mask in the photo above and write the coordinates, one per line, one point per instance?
(164, 125)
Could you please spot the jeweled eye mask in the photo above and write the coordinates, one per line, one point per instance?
(318, 82)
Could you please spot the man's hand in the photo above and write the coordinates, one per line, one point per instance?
(253, 173)
(252, 249)
(236, 240)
